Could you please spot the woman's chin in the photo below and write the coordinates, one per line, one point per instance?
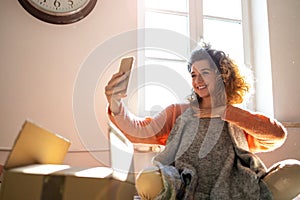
(203, 95)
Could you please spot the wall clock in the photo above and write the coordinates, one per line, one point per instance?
(59, 11)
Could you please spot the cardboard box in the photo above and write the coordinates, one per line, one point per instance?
(62, 182)
(33, 171)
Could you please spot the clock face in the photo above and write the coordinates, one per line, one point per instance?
(59, 11)
(60, 7)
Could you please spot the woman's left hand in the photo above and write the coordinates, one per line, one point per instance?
(211, 112)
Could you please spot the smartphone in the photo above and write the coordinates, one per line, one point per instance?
(125, 67)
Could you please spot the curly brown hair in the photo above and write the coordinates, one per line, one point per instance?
(230, 78)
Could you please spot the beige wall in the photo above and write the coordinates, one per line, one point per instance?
(39, 63)
(284, 30)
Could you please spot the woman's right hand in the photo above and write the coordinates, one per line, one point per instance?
(115, 91)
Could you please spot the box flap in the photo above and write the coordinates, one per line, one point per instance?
(35, 145)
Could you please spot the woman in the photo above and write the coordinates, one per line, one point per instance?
(209, 141)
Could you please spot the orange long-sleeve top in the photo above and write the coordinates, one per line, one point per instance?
(262, 133)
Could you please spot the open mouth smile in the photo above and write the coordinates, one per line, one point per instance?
(201, 87)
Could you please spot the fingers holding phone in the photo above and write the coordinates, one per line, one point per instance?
(116, 88)
(125, 67)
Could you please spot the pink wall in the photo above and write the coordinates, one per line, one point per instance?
(39, 66)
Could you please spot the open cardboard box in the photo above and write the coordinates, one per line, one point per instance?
(34, 171)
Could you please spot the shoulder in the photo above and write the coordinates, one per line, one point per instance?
(173, 111)
(178, 106)
(177, 109)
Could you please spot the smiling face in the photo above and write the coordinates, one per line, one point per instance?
(203, 79)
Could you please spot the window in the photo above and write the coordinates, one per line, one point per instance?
(217, 22)
(222, 25)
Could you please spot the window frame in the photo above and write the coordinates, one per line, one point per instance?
(196, 33)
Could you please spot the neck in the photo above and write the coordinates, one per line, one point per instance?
(206, 103)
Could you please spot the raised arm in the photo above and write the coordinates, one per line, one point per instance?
(139, 130)
(147, 130)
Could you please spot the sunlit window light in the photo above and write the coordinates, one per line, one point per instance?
(221, 27)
